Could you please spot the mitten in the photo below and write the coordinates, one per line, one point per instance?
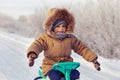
(31, 59)
(96, 65)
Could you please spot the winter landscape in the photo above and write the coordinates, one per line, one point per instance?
(14, 64)
(97, 24)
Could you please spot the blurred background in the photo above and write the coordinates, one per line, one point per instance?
(97, 21)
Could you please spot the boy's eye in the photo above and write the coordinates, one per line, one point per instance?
(58, 26)
(61, 25)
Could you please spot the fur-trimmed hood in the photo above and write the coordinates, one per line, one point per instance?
(56, 13)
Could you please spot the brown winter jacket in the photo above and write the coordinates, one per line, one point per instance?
(56, 50)
(59, 50)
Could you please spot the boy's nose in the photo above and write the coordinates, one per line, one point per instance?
(61, 28)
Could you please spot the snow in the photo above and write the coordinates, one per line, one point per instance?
(14, 64)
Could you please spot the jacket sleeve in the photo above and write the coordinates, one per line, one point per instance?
(83, 50)
(37, 46)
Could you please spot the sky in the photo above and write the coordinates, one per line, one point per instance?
(17, 7)
(14, 63)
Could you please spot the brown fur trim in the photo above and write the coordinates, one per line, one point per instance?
(56, 13)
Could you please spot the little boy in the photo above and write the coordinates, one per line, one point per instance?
(57, 44)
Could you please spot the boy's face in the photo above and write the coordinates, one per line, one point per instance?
(60, 29)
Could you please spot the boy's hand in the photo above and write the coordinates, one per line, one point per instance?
(31, 58)
(97, 65)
